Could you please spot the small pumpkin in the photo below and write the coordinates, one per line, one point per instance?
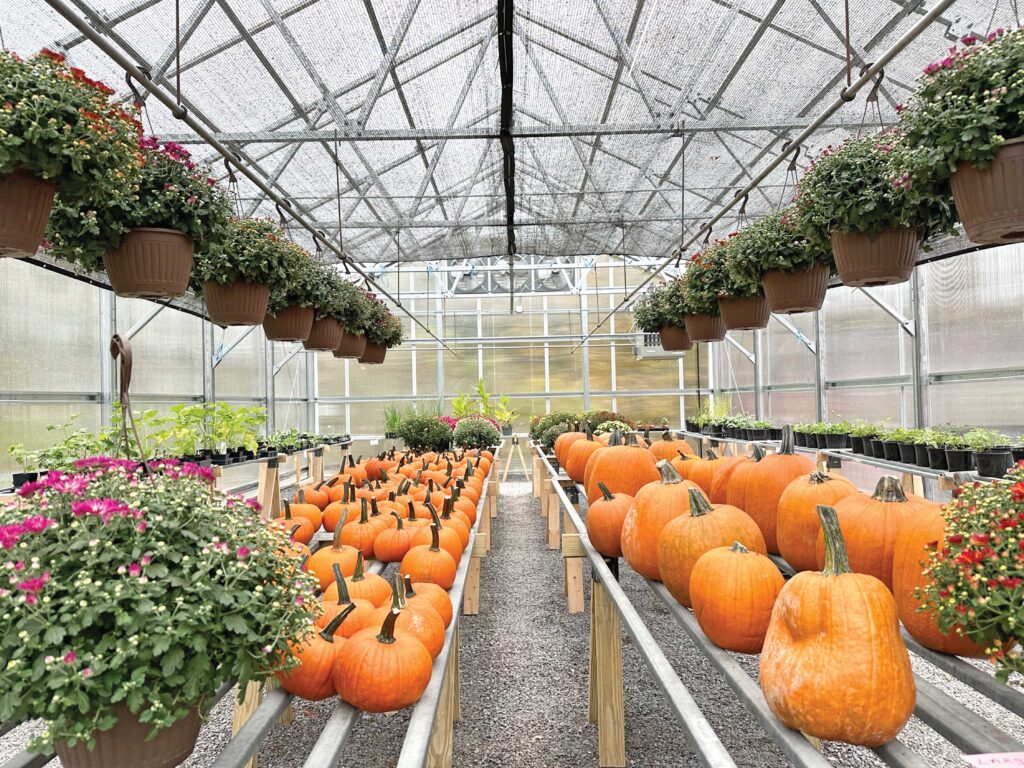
(336, 599)
(368, 586)
(623, 468)
(766, 482)
(733, 592)
(346, 503)
(686, 538)
(382, 671)
(564, 442)
(313, 679)
(834, 664)
(447, 538)
(287, 523)
(419, 619)
(669, 446)
(314, 494)
(604, 521)
(321, 562)
(654, 506)
(362, 532)
(430, 563)
(391, 544)
(301, 507)
(431, 593)
(578, 455)
(798, 527)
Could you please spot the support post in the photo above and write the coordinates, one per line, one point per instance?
(471, 596)
(316, 465)
(538, 477)
(553, 509)
(439, 752)
(572, 559)
(484, 526)
(606, 705)
(268, 488)
(492, 496)
(244, 710)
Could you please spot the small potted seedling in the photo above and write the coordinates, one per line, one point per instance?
(991, 452)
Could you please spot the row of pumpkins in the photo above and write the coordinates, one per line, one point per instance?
(373, 641)
(833, 662)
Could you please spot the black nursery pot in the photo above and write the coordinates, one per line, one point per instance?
(907, 453)
(1017, 453)
(758, 434)
(921, 455)
(20, 478)
(959, 459)
(891, 450)
(800, 439)
(837, 441)
(775, 433)
(936, 457)
(877, 448)
(819, 440)
(994, 463)
(857, 443)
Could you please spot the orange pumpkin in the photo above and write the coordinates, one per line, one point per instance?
(834, 665)
(564, 442)
(321, 562)
(287, 523)
(368, 586)
(579, 454)
(604, 521)
(687, 537)
(447, 538)
(391, 544)
(623, 468)
(870, 525)
(346, 503)
(419, 619)
(430, 593)
(303, 508)
(702, 471)
(669, 446)
(798, 527)
(767, 480)
(733, 592)
(314, 494)
(362, 532)
(729, 485)
(382, 671)
(313, 679)
(924, 531)
(430, 563)
(336, 599)
(654, 506)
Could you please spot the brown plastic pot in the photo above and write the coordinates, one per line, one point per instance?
(125, 745)
(990, 201)
(374, 354)
(884, 259)
(325, 335)
(290, 324)
(25, 203)
(744, 314)
(236, 303)
(674, 339)
(150, 263)
(704, 328)
(788, 293)
(352, 345)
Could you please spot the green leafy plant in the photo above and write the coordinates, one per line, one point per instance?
(870, 184)
(143, 590)
(713, 412)
(475, 433)
(540, 424)
(504, 412)
(704, 280)
(251, 251)
(862, 428)
(232, 427)
(424, 433)
(551, 433)
(60, 125)
(302, 286)
(394, 414)
(381, 327)
(661, 306)
(607, 427)
(463, 405)
(984, 439)
(969, 103)
(773, 242)
(286, 440)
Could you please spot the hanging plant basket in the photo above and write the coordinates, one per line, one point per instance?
(325, 335)
(374, 354)
(885, 259)
(126, 746)
(25, 203)
(789, 293)
(236, 303)
(704, 328)
(352, 345)
(744, 314)
(990, 201)
(150, 263)
(674, 339)
(290, 324)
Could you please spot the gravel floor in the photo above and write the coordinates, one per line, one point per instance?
(524, 683)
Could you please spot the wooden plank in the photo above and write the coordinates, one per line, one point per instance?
(538, 476)
(574, 583)
(439, 752)
(484, 525)
(316, 465)
(471, 599)
(912, 484)
(611, 721)
(553, 529)
(243, 711)
(457, 695)
(591, 675)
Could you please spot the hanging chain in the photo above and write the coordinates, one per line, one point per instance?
(791, 174)
(233, 188)
(871, 99)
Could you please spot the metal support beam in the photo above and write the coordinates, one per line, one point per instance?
(904, 323)
(223, 351)
(108, 366)
(292, 353)
(786, 323)
(387, 64)
(743, 350)
(145, 320)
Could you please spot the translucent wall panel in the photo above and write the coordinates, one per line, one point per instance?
(426, 371)
(331, 417)
(651, 408)
(290, 381)
(330, 375)
(600, 377)
(734, 369)
(566, 404)
(791, 406)
(525, 407)
(367, 418)
(695, 367)
(513, 368)
(849, 318)
(243, 372)
(894, 405)
(649, 373)
(997, 404)
(566, 370)
(48, 330)
(290, 416)
(789, 361)
(24, 422)
(167, 355)
(393, 376)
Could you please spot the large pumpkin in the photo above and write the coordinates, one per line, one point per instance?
(564, 442)
(798, 527)
(623, 468)
(604, 521)
(834, 665)
(321, 563)
(687, 537)
(579, 454)
(730, 479)
(733, 592)
(654, 506)
(870, 525)
(923, 532)
(767, 480)
(702, 471)
(430, 563)
(669, 446)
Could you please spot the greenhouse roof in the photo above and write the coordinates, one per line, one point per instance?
(614, 107)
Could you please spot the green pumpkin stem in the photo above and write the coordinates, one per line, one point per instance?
(287, 510)
(836, 560)
(409, 592)
(435, 538)
(684, 456)
(605, 493)
(615, 438)
(336, 539)
(630, 439)
(327, 633)
(291, 533)
(737, 547)
(817, 478)
(668, 436)
(364, 512)
(433, 514)
(711, 454)
(374, 509)
(387, 630)
(890, 489)
(787, 447)
(302, 496)
(341, 584)
(398, 517)
(446, 509)
(357, 574)
(699, 505)
(669, 474)
(400, 592)
(412, 510)
(757, 452)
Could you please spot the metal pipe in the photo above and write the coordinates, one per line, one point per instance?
(178, 111)
(844, 97)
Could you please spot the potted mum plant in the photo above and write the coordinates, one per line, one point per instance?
(290, 306)
(353, 312)
(741, 302)
(147, 244)
(774, 252)
(60, 133)
(177, 588)
(383, 331)
(234, 275)
(991, 451)
(875, 204)
(702, 282)
(967, 118)
(325, 286)
(475, 433)
(661, 311)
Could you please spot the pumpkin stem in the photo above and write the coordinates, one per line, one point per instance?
(327, 633)
(711, 454)
(889, 489)
(699, 505)
(319, 485)
(302, 496)
(668, 436)
(433, 514)
(737, 547)
(787, 446)
(349, 492)
(383, 474)
(615, 438)
(446, 510)
(351, 460)
(590, 433)
(398, 517)
(400, 592)
(817, 478)
(387, 630)
(608, 495)
(631, 439)
(287, 510)
(364, 512)
(357, 574)
(684, 456)
(409, 592)
(336, 539)
(836, 560)
(412, 510)
(396, 597)
(291, 533)
(435, 538)
(669, 474)
(757, 452)
(342, 585)
(374, 509)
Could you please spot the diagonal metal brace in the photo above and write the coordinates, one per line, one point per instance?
(743, 350)
(144, 321)
(797, 333)
(277, 368)
(223, 351)
(905, 324)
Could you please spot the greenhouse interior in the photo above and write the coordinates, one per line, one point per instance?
(428, 383)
